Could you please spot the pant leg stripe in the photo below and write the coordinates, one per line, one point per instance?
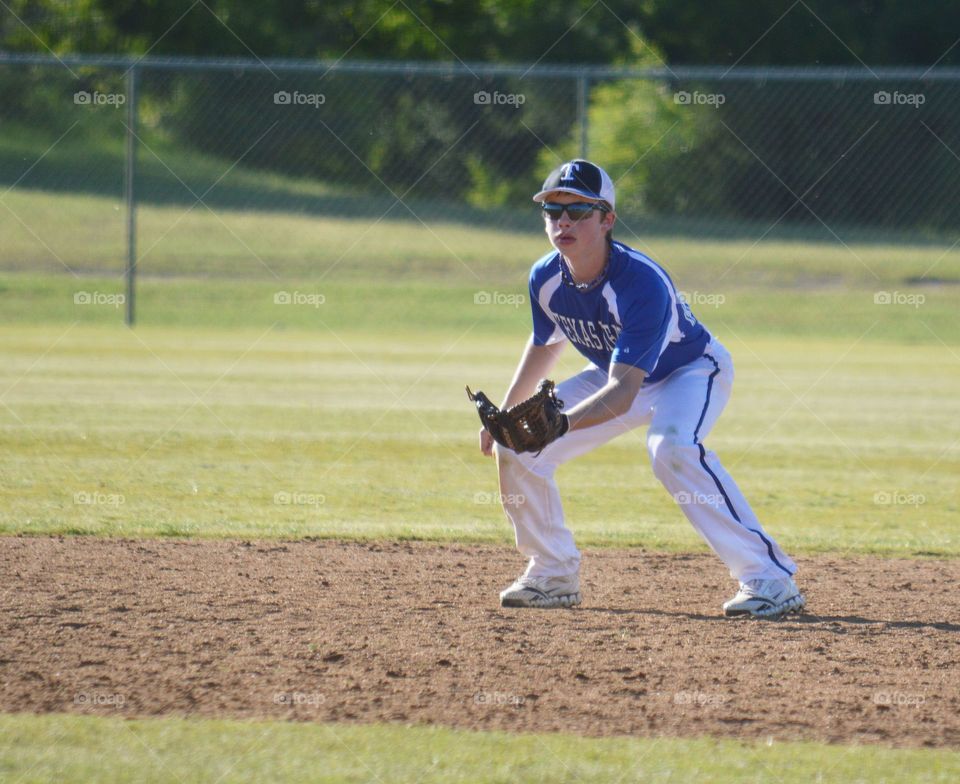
(716, 479)
(706, 403)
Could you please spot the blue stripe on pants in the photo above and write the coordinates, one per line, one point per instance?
(716, 479)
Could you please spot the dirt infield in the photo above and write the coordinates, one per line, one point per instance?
(332, 631)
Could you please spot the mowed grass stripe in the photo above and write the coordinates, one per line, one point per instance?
(78, 749)
(445, 308)
(86, 233)
(191, 432)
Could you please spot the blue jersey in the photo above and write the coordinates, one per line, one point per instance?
(634, 317)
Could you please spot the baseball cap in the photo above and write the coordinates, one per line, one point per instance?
(580, 177)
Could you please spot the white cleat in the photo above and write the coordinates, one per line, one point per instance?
(543, 592)
(765, 599)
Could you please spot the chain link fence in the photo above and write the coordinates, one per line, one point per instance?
(211, 168)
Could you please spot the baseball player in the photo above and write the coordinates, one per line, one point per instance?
(651, 363)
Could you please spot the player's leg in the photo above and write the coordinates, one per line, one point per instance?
(687, 406)
(529, 492)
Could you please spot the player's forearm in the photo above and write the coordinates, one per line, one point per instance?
(608, 403)
(535, 364)
(612, 401)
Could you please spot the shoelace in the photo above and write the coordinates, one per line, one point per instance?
(753, 587)
(536, 582)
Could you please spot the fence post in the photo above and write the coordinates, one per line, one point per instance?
(130, 195)
(582, 89)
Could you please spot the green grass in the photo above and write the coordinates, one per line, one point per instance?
(83, 749)
(224, 399)
(66, 211)
(200, 431)
(81, 232)
(441, 307)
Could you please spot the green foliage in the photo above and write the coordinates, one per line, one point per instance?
(796, 152)
(487, 189)
(641, 136)
(815, 32)
(747, 158)
(634, 127)
(580, 31)
(416, 30)
(42, 25)
(398, 131)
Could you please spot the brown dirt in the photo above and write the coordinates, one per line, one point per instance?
(331, 631)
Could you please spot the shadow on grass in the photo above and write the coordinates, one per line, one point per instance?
(182, 178)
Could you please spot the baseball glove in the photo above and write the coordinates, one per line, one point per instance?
(527, 426)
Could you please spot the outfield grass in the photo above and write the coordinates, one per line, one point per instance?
(61, 232)
(83, 749)
(447, 308)
(842, 445)
(226, 397)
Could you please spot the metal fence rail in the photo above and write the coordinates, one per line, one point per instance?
(85, 141)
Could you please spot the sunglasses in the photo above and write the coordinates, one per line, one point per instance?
(576, 211)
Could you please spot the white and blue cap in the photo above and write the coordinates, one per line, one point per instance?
(582, 178)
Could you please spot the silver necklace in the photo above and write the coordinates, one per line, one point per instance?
(590, 284)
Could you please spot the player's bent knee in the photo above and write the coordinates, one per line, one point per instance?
(669, 452)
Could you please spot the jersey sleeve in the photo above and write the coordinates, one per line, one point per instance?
(545, 330)
(645, 316)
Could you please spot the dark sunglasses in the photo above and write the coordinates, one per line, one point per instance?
(576, 211)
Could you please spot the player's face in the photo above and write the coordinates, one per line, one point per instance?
(576, 236)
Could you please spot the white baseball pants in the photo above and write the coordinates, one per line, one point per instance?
(680, 410)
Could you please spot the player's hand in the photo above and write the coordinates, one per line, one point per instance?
(527, 426)
(486, 442)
